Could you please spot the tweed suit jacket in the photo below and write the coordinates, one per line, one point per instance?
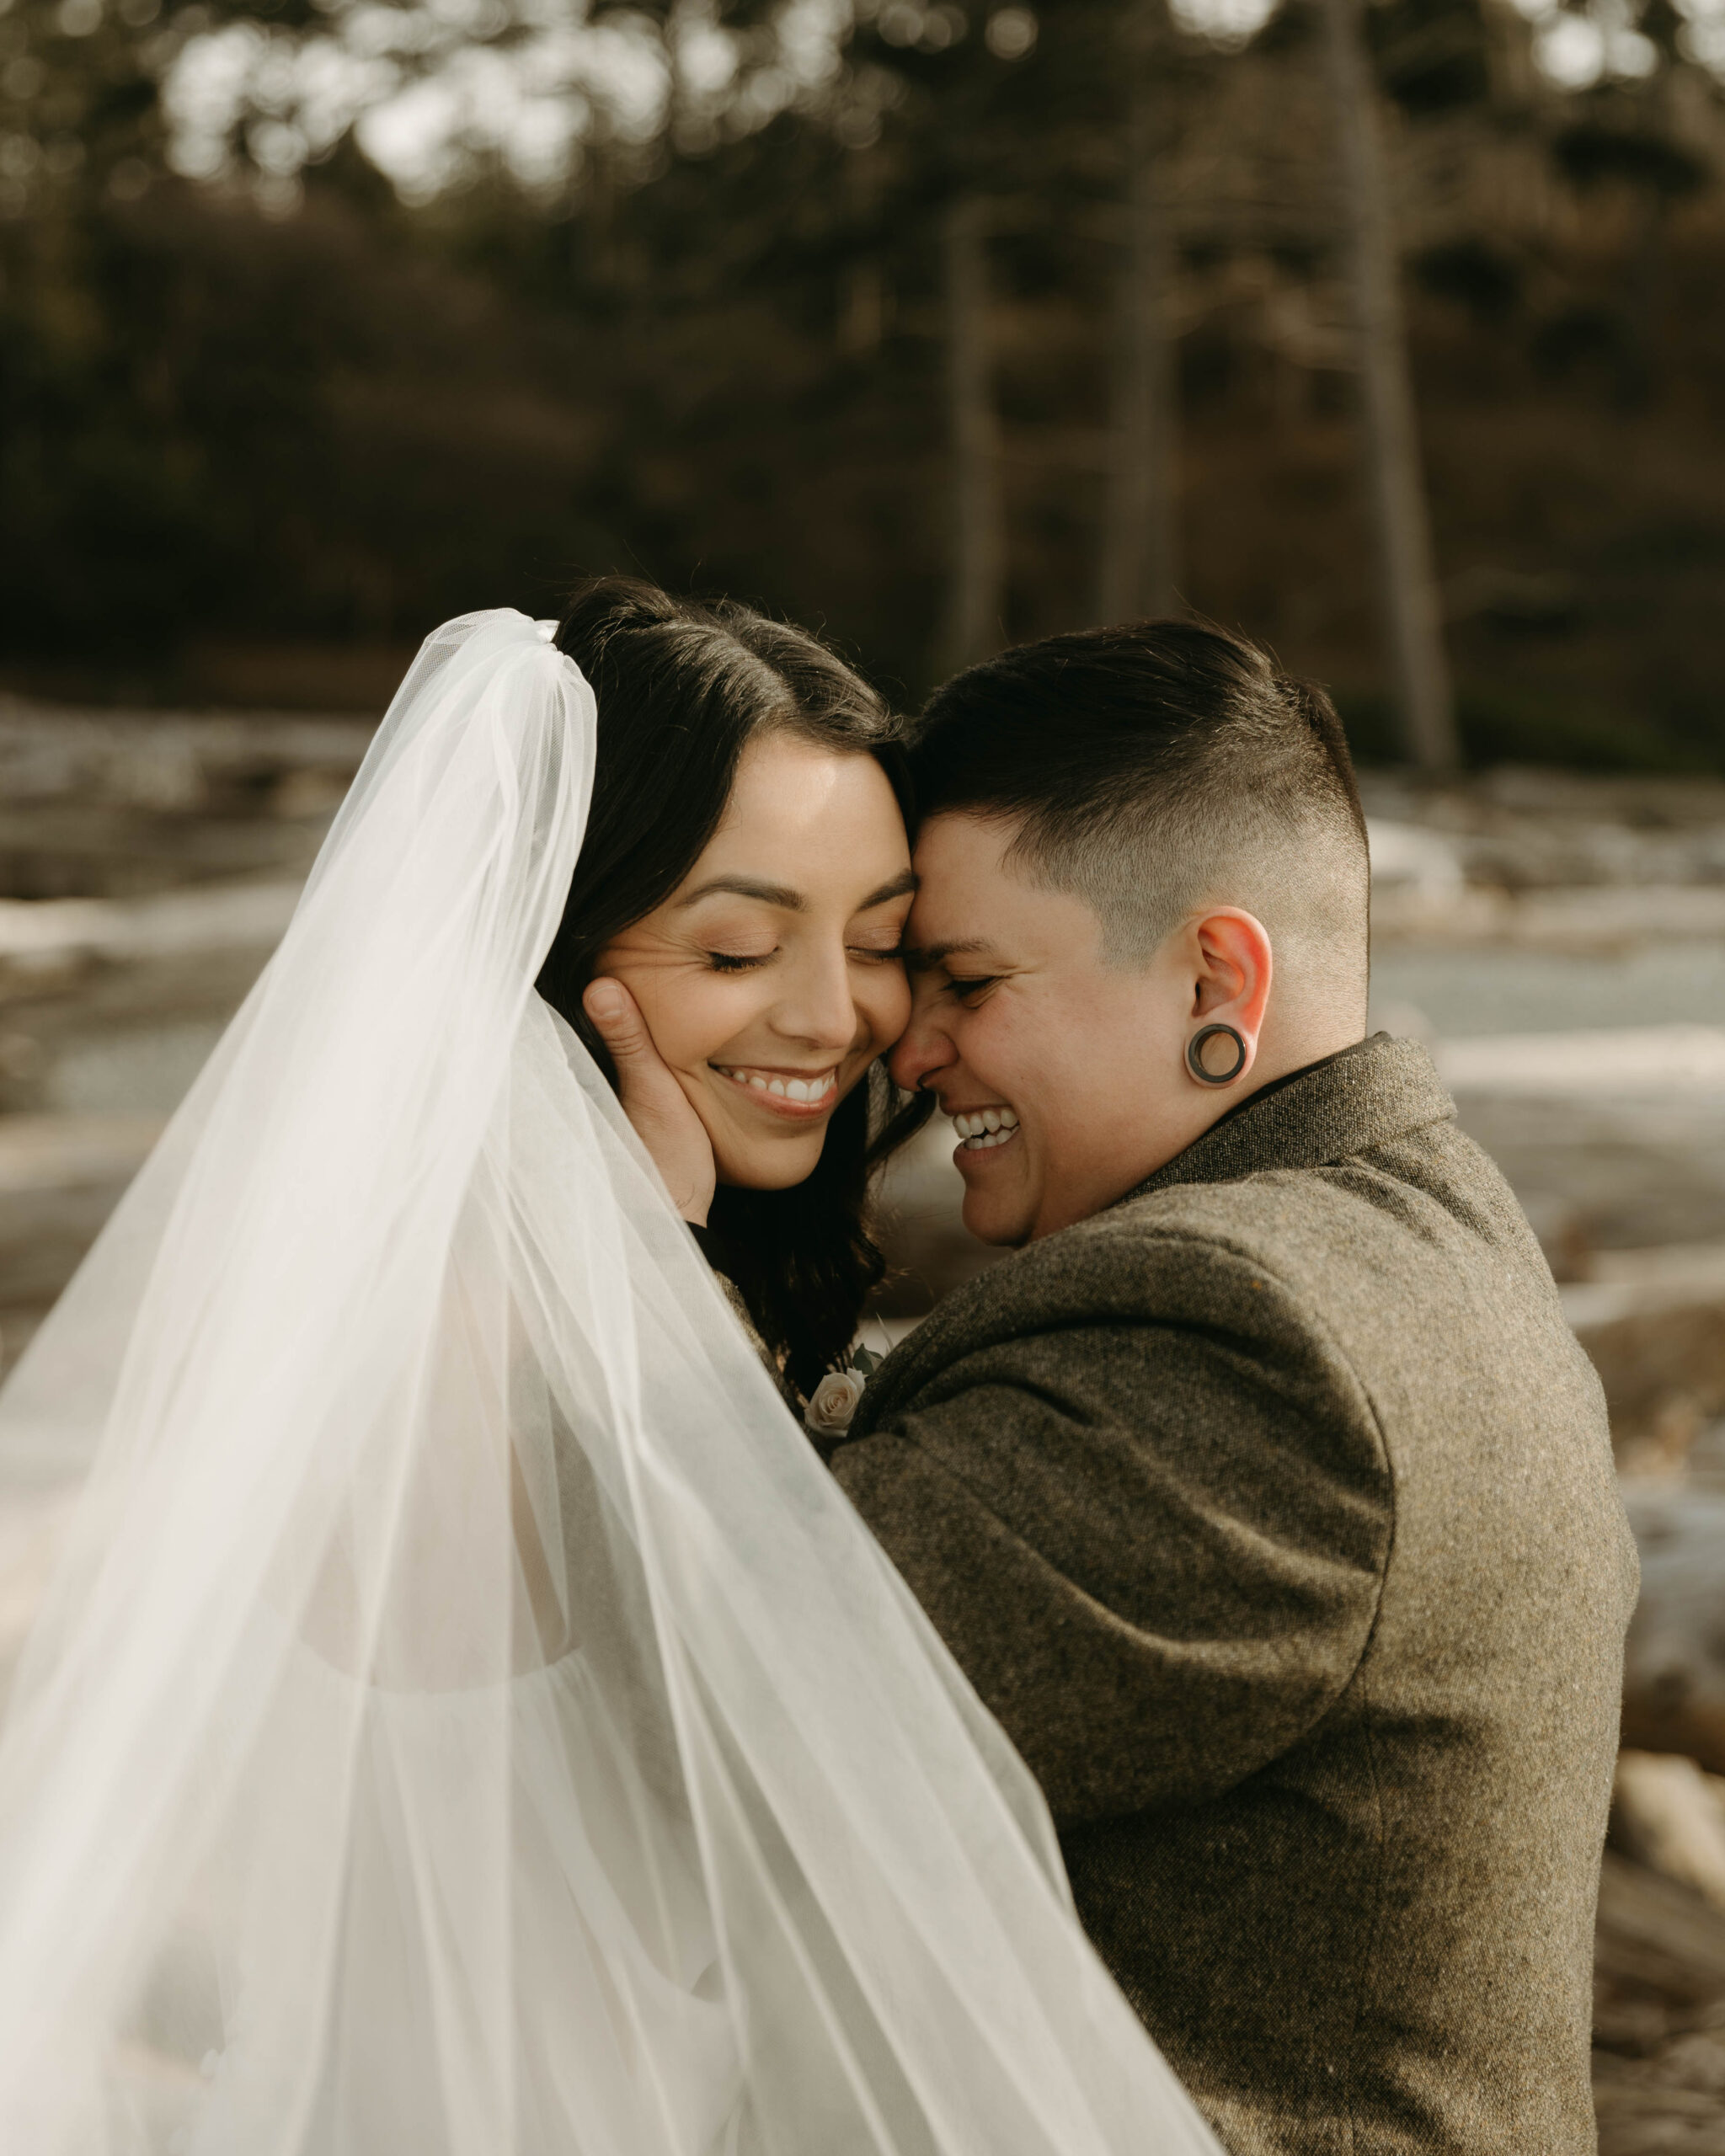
(1271, 1512)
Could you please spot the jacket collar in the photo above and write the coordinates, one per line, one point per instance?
(1364, 1096)
(1370, 1094)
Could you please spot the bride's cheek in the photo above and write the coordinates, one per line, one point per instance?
(887, 1010)
(694, 1022)
(708, 1107)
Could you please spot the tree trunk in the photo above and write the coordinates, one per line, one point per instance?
(975, 626)
(1139, 567)
(1412, 611)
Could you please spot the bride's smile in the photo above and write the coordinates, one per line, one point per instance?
(771, 977)
(788, 1092)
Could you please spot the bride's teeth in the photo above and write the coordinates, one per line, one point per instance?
(808, 1092)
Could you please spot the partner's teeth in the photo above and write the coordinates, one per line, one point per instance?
(983, 1123)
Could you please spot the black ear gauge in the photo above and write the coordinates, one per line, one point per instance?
(1194, 1055)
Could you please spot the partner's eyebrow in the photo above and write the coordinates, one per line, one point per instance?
(936, 954)
(747, 887)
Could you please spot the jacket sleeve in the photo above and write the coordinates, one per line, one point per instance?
(1154, 1543)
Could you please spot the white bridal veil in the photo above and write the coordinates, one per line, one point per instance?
(465, 1719)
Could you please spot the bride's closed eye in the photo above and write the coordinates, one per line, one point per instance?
(733, 962)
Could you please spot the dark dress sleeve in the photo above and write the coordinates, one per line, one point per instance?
(712, 1247)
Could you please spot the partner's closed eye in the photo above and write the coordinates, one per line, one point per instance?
(736, 961)
(964, 989)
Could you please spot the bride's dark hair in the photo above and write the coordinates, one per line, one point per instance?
(682, 688)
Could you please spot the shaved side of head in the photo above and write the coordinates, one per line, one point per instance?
(1160, 769)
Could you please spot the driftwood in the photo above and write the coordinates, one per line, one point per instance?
(1668, 1815)
(1659, 2016)
(1674, 1689)
(1659, 1967)
(1653, 1323)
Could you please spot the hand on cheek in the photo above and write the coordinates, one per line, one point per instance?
(654, 1100)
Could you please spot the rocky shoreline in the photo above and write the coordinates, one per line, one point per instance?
(1558, 941)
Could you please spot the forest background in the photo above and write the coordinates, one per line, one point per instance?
(935, 325)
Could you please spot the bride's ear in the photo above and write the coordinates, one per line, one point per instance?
(1230, 995)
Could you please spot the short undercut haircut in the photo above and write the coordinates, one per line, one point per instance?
(1156, 769)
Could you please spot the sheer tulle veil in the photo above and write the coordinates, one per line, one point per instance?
(463, 1718)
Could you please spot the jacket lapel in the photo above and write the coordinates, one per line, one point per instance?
(1366, 1097)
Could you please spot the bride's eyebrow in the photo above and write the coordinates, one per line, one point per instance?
(747, 887)
(781, 895)
(901, 886)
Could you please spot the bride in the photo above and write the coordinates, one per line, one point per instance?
(465, 1720)
(744, 880)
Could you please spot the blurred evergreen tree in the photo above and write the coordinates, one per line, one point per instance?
(282, 402)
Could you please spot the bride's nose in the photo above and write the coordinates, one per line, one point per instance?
(818, 1005)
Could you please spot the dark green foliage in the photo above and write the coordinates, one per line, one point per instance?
(1594, 153)
(1500, 729)
(1584, 337)
(283, 426)
(1481, 276)
(720, 364)
(1432, 56)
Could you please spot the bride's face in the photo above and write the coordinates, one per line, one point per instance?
(770, 979)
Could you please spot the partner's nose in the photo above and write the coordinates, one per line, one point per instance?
(923, 1047)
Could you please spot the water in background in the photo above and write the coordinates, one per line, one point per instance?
(1558, 941)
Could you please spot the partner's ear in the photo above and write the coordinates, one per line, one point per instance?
(1230, 994)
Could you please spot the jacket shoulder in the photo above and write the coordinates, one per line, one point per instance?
(1199, 1261)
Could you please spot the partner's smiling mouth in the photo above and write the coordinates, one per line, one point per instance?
(981, 1128)
(816, 1089)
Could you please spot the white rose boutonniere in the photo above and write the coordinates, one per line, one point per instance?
(834, 1400)
(833, 1403)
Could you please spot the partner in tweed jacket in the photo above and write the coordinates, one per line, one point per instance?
(1272, 1510)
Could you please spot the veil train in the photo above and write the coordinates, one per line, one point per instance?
(464, 1718)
